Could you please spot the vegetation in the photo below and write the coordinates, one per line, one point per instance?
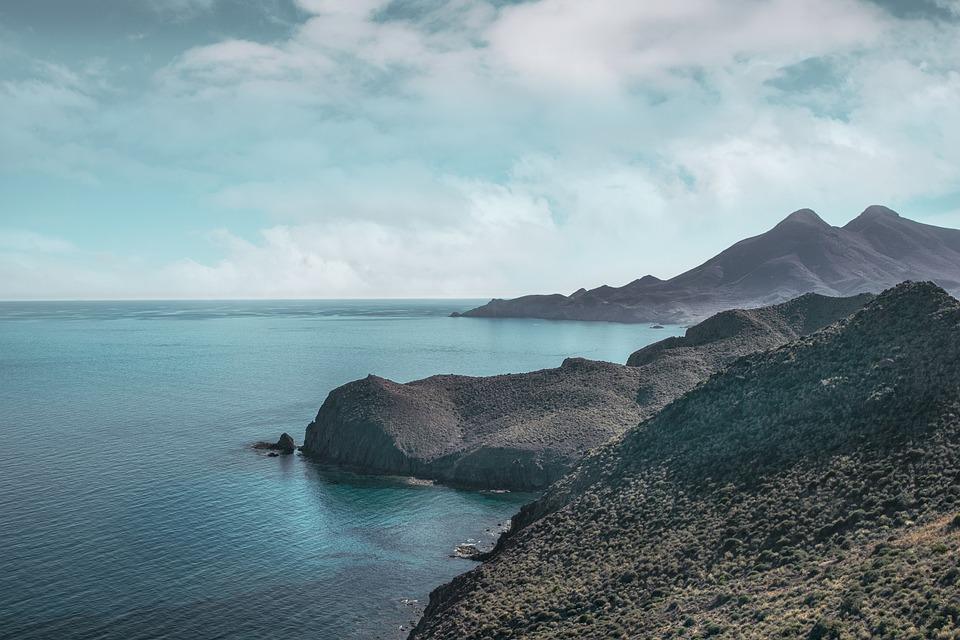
(524, 431)
(812, 491)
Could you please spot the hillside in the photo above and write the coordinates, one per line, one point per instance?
(523, 431)
(801, 254)
(812, 491)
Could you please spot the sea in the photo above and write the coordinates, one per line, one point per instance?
(132, 505)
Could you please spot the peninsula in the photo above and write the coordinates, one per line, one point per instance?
(523, 431)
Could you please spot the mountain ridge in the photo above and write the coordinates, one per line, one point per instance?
(809, 491)
(800, 254)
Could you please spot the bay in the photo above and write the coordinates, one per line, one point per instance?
(131, 504)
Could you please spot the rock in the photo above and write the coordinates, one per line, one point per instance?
(285, 445)
(467, 551)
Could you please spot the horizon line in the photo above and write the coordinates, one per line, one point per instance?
(384, 299)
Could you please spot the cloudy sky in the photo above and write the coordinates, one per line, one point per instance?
(464, 148)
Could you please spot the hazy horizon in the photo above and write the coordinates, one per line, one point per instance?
(451, 149)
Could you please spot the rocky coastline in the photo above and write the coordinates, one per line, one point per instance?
(524, 431)
(807, 491)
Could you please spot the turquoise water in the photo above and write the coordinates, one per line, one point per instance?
(132, 506)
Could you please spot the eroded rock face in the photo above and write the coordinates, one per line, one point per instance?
(802, 254)
(523, 431)
(762, 504)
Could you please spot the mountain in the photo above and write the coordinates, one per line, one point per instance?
(802, 254)
(811, 491)
(523, 431)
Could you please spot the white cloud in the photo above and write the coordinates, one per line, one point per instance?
(606, 43)
(474, 150)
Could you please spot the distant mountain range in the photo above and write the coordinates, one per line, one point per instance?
(802, 254)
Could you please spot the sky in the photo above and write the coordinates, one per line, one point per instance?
(451, 148)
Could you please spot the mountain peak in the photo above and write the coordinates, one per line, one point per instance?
(876, 210)
(802, 253)
(644, 281)
(873, 213)
(804, 216)
(917, 305)
(914, 294)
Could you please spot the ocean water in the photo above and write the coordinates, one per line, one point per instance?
(131, 503)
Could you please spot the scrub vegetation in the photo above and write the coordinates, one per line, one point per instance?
(811, 491)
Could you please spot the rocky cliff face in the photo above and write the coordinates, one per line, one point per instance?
(809, 491)
(519, 431)
(523, 431)
(802, 254)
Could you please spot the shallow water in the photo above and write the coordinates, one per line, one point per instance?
(131, 505)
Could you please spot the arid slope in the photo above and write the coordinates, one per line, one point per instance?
(811, 491)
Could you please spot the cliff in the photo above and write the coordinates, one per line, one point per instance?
(523, 431)
(801, 254)
(810, 491)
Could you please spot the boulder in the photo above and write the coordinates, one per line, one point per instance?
(284, 445)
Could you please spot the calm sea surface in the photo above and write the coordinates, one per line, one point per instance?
(131, 504)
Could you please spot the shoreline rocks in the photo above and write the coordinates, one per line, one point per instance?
(467, 551)
(284, 446)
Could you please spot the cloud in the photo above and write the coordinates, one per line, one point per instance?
(463, 147)
(606, 44)
(18, 240)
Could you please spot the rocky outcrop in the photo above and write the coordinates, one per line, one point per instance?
(467, 551)
(523, 431)
(517, 431)
(809, 491)
(802, 254)
(284, 446)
